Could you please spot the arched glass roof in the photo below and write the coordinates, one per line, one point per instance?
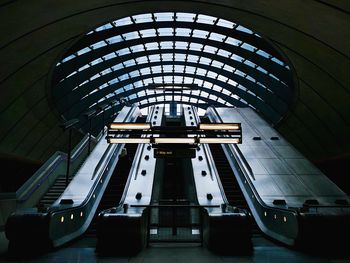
(209, 61)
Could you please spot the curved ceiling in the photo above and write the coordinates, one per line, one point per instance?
(230, 65)
(313, 35)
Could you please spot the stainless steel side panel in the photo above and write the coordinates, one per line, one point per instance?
(144, 160)
(280, 171)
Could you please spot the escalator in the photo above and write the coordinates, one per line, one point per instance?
(229, 182)
(232, 190)
(115, 187)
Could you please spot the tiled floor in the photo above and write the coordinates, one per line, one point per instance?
(264, 251)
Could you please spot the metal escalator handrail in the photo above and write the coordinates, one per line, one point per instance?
(213, 170)
(102, 160)
(245, 162)
(53, 210)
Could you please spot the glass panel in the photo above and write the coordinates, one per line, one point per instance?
(225, 23)
(179, 68)
(123, 21)
(115, 39)
(201, 71)
(263, 53)
(185, 17)
(123, 51)
(131, 35)
(277, 61)
(157, 69)
(200, 33)
(212, 74)
(210, 49)
(232, 82)
(137, 48)
(134, 73)
(180, 57)
(104, 27)
(196, 46)
(188, 80)
(226, 92)
(206, 19)
(217, 37)
(165, 31)
(248, 47)
(244, 29)
(154, 58)
(84, 67)
(129, 63)
(184, 32)
(249, 63)
(141, 60)
(98, 45)
(145, 71)
(151, 46)
(262, 70)
(148, 33)
(190, 70)
(217, 64)
(96, 61)
(167, 57)
(232, 41)
(224, 53)
(168, 68)
(192, 58)
(205, 61)
(144, 18)
(166, 45)
(181, 45)
(83, 51)
(164, 16)
(222, 78)
(250, 78)
(109, 56)
(207, 84)
(221, 101)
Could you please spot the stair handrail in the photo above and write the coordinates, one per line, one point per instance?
(47, 169)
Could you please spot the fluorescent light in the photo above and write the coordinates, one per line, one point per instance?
(130, 126)
(160, 140)
(174, 140)
(220, 140)
(219, 126)
(128, 140)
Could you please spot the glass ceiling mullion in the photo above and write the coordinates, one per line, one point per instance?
(155, 25)
(188, 48)
(161, 60)
(144, 47)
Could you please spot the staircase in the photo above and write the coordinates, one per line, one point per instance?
(55, 191)
(57, 188)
